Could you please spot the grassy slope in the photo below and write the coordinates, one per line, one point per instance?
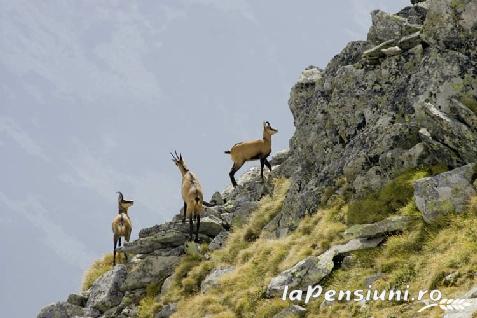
(420, 257)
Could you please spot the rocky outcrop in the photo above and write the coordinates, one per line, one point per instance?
(447, 192)
(374, 111)
(313, 269)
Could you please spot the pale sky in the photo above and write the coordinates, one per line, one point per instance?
(95, 94)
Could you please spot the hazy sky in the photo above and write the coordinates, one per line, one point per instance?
(94, 95)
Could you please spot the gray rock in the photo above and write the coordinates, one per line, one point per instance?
(158, 241)
(150, 269)
(449, 24)
(377, 51)
(292, 311)
(218, 241)
(310, 75)
(210, 226)
(391, 51)
(106, 291)
(77, 299)
(370, 280)
(448, 131)
(313, 269)
(280, 157)
(392, 224)
(449, 191)
(387, 26)
(451, 279)
(213, 277)
(410, 41)
(414, 14)
(166, 311)
(166, 285)
(61, 310)
(217, 199)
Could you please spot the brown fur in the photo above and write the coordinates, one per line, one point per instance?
(192, 195)
(121, 226)
(252, 150)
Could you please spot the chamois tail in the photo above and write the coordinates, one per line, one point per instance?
(227, 151)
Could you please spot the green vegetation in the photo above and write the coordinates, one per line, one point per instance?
(148, 305)
(395, 195)
(256, 260)
(98, 268)
(421, 257)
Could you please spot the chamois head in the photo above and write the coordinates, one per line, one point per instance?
(123, 205)
(179, 162)
(267, 128)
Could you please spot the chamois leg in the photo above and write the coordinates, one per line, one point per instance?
(234, 169)
(267, 163)
(185, 212)
(262, 162)
(115, 241)
(197, 231)
(119, 241)
(191, 227)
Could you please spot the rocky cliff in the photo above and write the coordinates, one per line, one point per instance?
(375, 131)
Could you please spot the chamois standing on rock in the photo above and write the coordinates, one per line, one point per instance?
(122, 226)
(252, 150)
(191, 195)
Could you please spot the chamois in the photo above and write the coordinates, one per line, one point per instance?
(122, 226)
(252, 150)
(191, 195)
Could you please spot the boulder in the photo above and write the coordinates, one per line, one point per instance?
(150, 269)
(217, 199)
(77, 299)
(280, 157)
(392, 224)
(313, 269)
(387, 26)
(210, 225)
(61, 310)
(292, 311)
(447, 192)
(310, 75)
(218, 241)
(213, 277)
(106, 291)
(167, 284)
